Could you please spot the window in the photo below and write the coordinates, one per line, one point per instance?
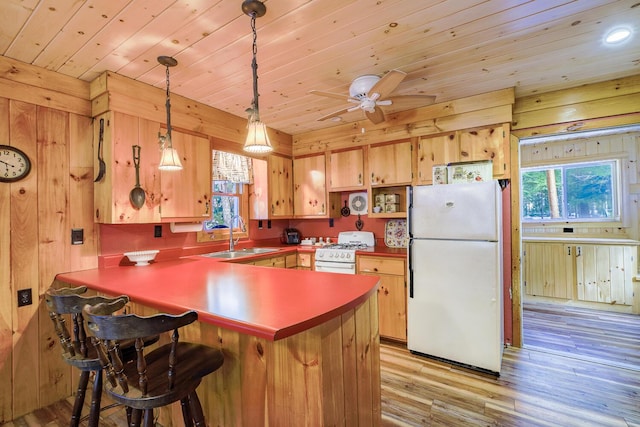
(574, 192)
(229, 198)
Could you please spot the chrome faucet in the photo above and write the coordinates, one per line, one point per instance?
(243, 228)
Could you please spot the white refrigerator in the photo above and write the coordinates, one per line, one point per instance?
(455, 274)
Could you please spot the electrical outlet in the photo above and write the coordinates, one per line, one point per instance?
(77, 236)
(24, 297)
(157, 231)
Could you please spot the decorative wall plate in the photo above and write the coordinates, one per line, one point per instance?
(395, 234)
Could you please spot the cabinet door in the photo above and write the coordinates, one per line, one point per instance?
(111, 193)
(186, 194)
(548, 270)
(604, 273)
(346, 170)
(392, 299)
(276, 262)
(309, 186)
(487, 144)
(435, 150)
(390, 164)
(280, 186)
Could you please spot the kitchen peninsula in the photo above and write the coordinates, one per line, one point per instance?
(301, 348)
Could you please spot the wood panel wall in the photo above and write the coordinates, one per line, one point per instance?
(599, 105)
(47, 116)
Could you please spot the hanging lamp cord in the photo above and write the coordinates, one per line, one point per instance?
(254, 66)
(168, 106)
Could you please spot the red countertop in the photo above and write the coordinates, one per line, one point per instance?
(270, 303)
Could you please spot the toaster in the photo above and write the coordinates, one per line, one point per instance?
(291, 236)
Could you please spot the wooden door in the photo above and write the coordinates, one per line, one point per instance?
(490, 143)
(186, 194)
(390, 164)
(309, 186)
(549, 269)
(280, 170)
(604, 273)
(435, 150)
(346, 170)
(392, 299)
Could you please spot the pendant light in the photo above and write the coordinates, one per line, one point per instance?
(170, 160)
(257, 137)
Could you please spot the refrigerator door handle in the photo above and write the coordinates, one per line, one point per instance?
(409, 207)
(410, 270)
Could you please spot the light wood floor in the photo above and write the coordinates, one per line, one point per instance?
(568, 374)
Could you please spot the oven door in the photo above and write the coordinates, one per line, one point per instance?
(335, 267)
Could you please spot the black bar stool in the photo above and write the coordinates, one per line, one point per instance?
(75, 349)
(159, 377)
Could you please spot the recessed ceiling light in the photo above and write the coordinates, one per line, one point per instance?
(617, 35)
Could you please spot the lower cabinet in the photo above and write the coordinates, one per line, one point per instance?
(585, 272)
(392, 296)
(305, 261)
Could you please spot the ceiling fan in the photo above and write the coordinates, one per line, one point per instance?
(370, 92)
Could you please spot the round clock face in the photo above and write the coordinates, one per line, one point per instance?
(14, 164)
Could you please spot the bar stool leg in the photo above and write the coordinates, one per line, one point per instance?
(196, 410)
(136, 416)
(79, 402)
(186, 412)
(94, 414)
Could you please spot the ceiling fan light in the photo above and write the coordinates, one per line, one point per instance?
(257, 138)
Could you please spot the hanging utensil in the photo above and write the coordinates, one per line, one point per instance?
(137, 196)
(345, 211)
(102, 167)
(359, 223)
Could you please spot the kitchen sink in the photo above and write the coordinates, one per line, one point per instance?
(240, 253)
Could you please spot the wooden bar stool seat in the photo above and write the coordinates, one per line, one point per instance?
(76, 351)
(167, 374)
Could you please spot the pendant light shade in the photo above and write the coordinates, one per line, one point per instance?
(257, 137)
(169, 160)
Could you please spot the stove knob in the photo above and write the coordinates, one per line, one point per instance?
(348, 256)
(320, 255)
(342, 255)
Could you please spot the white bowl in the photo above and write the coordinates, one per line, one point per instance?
(141, 257)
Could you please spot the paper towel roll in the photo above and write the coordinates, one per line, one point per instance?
(185, 227)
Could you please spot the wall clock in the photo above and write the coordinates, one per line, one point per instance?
(14, 164)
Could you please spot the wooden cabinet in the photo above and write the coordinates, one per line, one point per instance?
(548, 270)
(271, 194)
(291, 260)
(390, 164)
(584, 272)
(490, 143)
(346, 170)
(186, 194)
(604, 273)
(432, 151)
(178, 195)
(310, 196)
(470, 145)
(305, 261)
(392, 297)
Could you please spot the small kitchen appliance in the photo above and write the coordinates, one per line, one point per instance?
(341, 257)
(291, 236)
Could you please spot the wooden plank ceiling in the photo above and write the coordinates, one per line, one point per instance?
(448, 48)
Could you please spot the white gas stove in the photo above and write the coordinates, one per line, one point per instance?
(341, 257)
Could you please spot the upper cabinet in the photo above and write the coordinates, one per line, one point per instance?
(390, 164)
(435, 150)
(310, 196)
(271, 194)
(169, 196)
(186, 194)
(346, 170)
(491, 143)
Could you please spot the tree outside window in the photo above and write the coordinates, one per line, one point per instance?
(575, 192)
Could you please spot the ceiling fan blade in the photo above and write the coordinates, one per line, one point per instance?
(377, 116)
(387, 83)
(339, 96)
(334, 114)
(409, 102)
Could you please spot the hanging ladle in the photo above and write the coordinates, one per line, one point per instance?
(136, 196)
